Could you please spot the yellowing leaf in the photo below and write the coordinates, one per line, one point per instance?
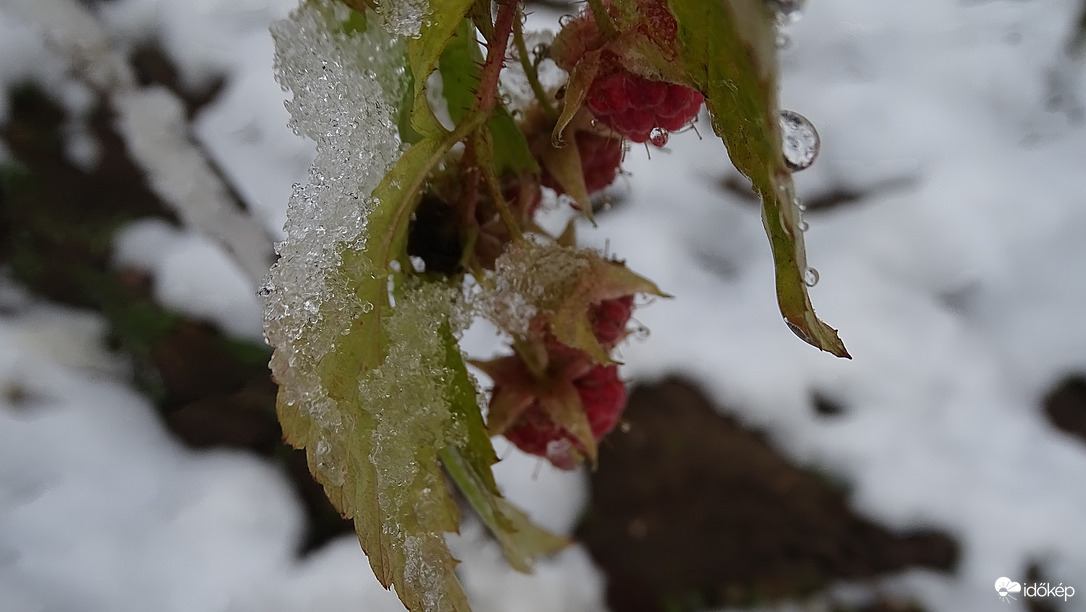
(728, 49)
(564, 164)
(601, 280)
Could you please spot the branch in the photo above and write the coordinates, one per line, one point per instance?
(151, 120)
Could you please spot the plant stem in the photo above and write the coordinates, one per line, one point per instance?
(487, 95)
(531, 72)
(485, 153)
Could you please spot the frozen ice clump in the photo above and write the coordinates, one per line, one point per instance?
(404, 17)
(345, 87)
(528, 279)
(406, 394)
(405, 402)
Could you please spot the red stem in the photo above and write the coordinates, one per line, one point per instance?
(486, 96)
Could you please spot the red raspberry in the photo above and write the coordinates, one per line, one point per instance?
(603, 395)
(609, 319)
(535, 433)
(635, 106)
(600, 158)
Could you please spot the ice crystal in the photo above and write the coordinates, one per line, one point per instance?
(528, 279)
(404, 17)
(345, 86)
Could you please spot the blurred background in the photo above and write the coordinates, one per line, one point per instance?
(141, 466)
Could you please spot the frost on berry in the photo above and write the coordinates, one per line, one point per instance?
(530, 279)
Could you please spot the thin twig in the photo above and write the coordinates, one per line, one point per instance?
(531, 72)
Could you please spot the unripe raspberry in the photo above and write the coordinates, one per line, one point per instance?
(603, 396)
(609, 319)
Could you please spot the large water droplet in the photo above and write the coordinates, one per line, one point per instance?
(803, 225)
(786, 12)
(658, 137)
(801, 142)
(810, 277)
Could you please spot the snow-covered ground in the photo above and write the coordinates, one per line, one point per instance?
(957, 281)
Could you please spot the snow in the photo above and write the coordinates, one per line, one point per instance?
(955, 282)
(220, 294)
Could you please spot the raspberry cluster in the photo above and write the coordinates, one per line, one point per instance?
(602, 393)
(640, 109)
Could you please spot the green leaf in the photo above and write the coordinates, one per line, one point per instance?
(423, 54)
(510, 147)
(459, 67)
(468, 464)
(378, 460)
(728, 48)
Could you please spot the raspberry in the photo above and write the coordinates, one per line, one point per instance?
(603, 396)
(609, 319)
(600, 158)
(641, 109)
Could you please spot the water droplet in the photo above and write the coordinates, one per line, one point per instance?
(658, 137)
(786, 12)
(810, 278)
(800, 205)
(784, 40)
(801, 142)
(803, 225)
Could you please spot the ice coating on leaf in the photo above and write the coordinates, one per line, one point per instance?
(404, 17)
(405, 399)
(530, 278)
(408, 390)
(372, 384)
(348, 111)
